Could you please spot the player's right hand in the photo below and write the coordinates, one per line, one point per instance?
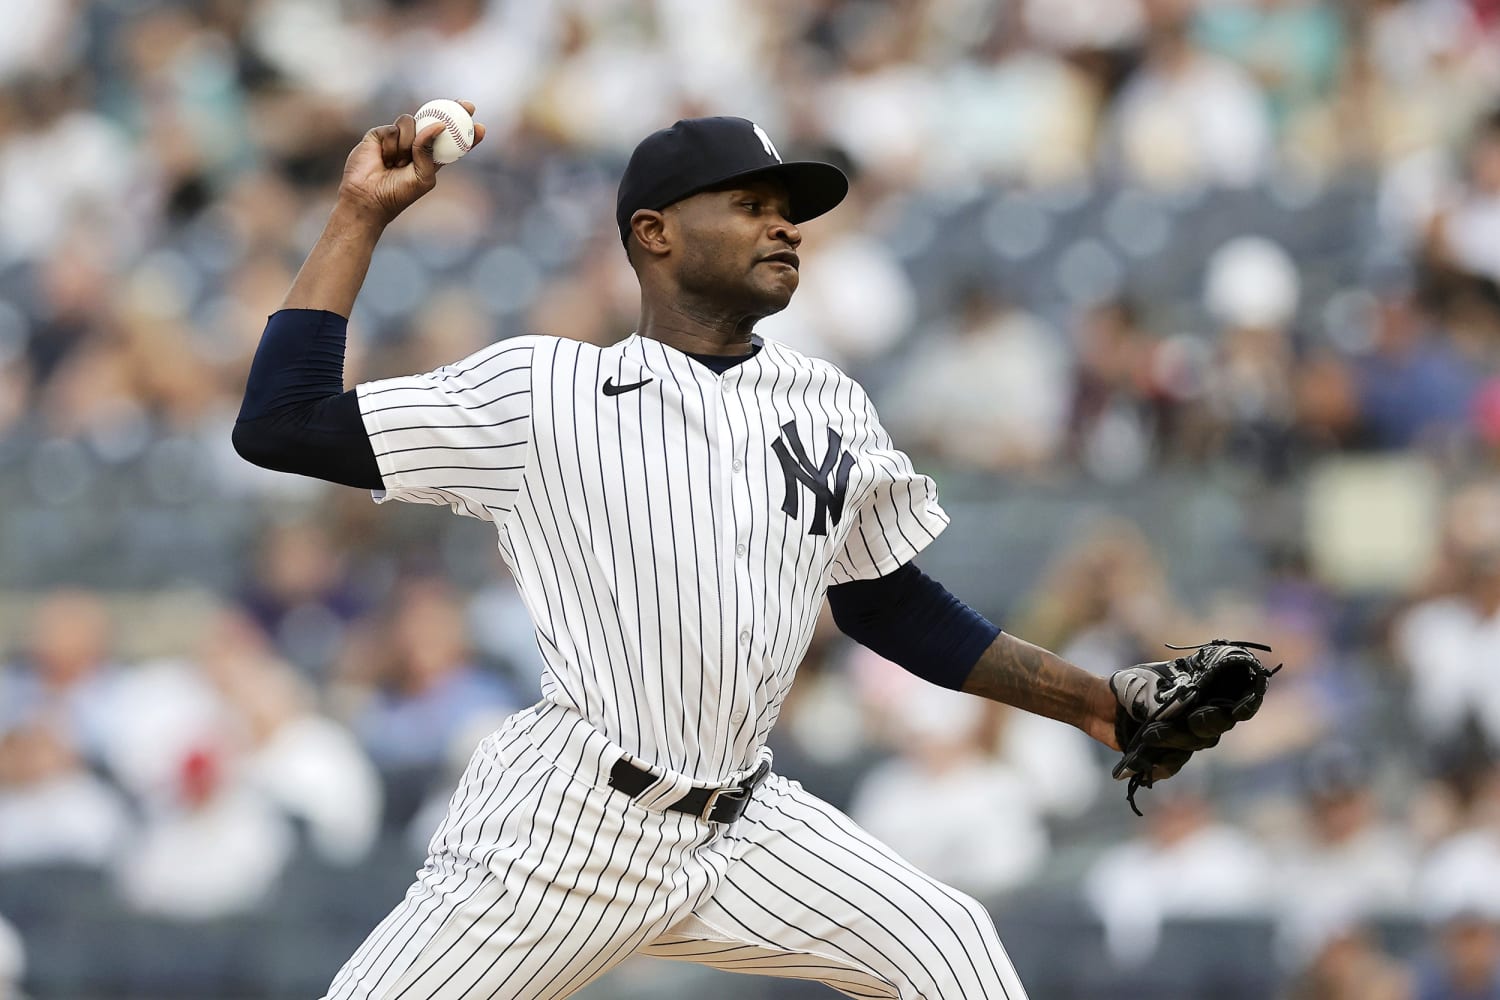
(392, 167)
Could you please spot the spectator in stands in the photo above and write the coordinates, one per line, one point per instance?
(1291, 48)
(53, 810)
(1466, 232)
(1461, 873)
(1349, 965)
(1465, 964)
(1104, 600)
(942, 767)
(1414, 386)
(94, 182)
(1186, 117)
(302, 594)
(1188, 864)
(1121, 417)
(1015, 111)
(1346, 864)
(1252, 290)
(413, 692)
(66, 673)
(1449, 643)
(1004, 379)
(309, 766)
(209, 846)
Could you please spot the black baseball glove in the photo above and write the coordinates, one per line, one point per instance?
(1172, 709)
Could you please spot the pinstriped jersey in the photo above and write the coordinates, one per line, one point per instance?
(672, 530)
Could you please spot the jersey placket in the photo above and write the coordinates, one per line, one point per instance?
(732, 525)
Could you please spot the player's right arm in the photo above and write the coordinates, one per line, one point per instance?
(296, 416)
(388, 171)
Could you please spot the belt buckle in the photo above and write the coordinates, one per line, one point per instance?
(708, 807)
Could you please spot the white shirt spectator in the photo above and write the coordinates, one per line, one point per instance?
(1005, 389)
(1461, 877)
(1202, 123)
(1213, 871)
(315, 770)
(68, 819)
(991, 837)
(1449, 651)
(97, 179)
(1326, 884)
(1472, 233)
(217, 859)
(1054, 761)
(1028, 117)
(884, 118)
(165, 711)
(52, 810)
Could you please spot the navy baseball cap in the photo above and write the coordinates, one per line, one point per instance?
(697, 154)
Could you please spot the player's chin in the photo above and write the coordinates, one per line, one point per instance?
(775, 294)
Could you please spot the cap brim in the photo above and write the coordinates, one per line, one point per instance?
(812, 187)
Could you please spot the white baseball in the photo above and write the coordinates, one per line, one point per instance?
(457, 137)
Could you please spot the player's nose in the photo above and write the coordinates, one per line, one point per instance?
(787, 232)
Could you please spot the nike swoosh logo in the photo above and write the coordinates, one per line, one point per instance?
(610, 389)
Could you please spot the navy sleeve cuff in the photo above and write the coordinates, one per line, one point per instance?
(296, 416)
(913, 621)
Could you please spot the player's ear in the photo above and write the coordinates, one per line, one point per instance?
(650, 229)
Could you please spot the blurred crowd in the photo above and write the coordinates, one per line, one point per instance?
(1249, 247)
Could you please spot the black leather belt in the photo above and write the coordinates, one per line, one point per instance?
(715, 805)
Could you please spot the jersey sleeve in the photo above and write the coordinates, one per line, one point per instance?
(458, 435)
(897, 517)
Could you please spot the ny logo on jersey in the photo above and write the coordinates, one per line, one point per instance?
(799, 470)
(765, 141)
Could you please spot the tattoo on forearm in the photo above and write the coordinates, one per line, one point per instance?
(1030, 678)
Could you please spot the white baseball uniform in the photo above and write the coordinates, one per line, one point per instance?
(672, 531)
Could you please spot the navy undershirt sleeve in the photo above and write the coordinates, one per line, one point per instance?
(296, 416)
(913, 621)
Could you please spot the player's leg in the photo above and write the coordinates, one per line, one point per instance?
(810, 895)
(537, 883)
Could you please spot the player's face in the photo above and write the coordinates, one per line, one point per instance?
(738, 249)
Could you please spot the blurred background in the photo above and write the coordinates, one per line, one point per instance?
(1190, 307)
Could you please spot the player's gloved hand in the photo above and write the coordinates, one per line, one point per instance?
(1173, 708)
(393, 166)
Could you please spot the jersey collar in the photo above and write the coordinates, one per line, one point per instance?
(651, 354)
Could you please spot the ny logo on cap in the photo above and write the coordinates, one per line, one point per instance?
(765, 141)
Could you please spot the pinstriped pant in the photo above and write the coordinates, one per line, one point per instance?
(541, 878)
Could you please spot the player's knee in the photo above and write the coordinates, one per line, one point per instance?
(967, 915)
(972, 957)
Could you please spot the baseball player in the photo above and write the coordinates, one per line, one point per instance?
(674, 508)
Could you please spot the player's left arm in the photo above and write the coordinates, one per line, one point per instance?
(916, 623)
(881, 600)
(1029, 677)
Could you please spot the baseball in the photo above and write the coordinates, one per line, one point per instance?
(457, 137)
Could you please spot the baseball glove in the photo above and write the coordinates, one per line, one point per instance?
(1172, 709)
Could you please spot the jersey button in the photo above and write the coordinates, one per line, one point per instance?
(739, 550)
(738, 465)
(745, 638)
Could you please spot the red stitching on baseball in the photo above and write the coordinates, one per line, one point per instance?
(451, 127)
